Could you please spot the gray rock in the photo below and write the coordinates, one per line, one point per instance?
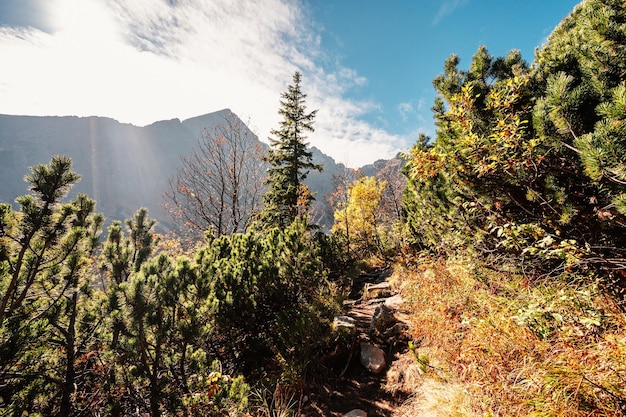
(382, 319)
(372, 358)
(396, 330)
(344, 323)
(380, 290)
(394, 302)
(356, 413)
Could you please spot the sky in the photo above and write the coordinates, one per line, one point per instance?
(367, 65)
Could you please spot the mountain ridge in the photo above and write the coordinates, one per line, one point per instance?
(123, 166)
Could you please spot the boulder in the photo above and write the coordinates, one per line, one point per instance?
(372, 358)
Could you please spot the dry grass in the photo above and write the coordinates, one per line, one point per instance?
(433, 396)
(439, 399)
(504, 346)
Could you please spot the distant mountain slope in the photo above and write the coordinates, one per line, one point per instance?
(123, 167)
(371, 170)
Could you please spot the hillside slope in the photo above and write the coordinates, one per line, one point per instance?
(123, 167)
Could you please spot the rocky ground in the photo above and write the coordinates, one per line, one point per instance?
(376, 334)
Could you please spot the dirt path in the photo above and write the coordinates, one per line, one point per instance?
(349, 385)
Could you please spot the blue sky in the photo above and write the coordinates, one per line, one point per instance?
(367, 65)
(400, 46)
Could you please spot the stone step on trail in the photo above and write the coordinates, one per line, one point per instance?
(378, 328)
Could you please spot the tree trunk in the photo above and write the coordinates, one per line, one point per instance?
(70, 357)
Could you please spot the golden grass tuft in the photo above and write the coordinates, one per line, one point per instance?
(403, 375)
(439, 399)
(507, 346)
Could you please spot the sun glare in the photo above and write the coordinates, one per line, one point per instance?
(84, 22)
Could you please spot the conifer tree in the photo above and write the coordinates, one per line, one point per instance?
(290, 161)
(44, 252)
(529, 160)
(583, 107)
(122, 255)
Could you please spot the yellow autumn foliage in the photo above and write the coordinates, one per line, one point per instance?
(359, 219)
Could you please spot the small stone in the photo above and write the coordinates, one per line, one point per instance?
(372, 358)
(382, 319)
(356, 413)
(380, 290)
(396, 330)
(344, 323)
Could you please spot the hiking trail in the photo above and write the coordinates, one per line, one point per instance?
(351, 389)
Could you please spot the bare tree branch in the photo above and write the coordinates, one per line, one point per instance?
(219, 187)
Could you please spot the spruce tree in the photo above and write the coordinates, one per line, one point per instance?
(290, 162)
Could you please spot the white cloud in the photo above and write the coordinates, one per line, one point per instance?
(405, 109)
(148, 60)
(447, 8)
